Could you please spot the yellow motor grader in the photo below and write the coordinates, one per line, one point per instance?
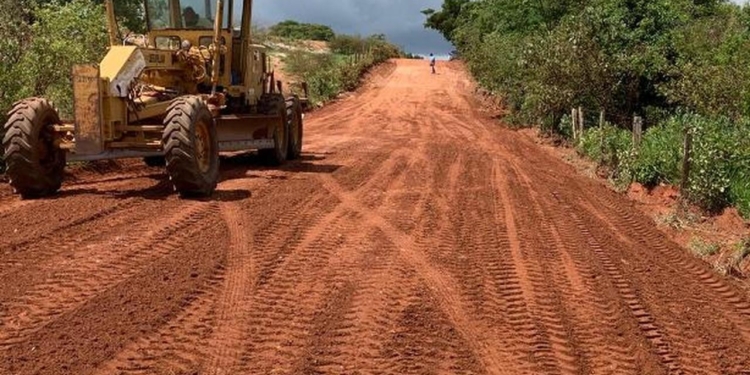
(193, 86)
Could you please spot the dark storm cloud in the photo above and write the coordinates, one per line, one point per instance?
(400, 20)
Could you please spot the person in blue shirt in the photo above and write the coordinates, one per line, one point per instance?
(432, 63)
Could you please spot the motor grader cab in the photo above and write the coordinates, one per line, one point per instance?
(193, 86)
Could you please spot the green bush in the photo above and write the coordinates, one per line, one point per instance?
(307, 31)
(610, 147)
(659, 157)
(348, 44)
(327, 75)
(739, 173)
(40, 42)
(740, 196)
(713, 157)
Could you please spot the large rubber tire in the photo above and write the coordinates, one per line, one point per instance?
(294, 118)
(277, 155)
(34, 164)
(191, 147)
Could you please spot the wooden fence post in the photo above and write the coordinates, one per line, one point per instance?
(574, 123)
(637, 131)
(687, 152)
(601, 136)
(580, 122)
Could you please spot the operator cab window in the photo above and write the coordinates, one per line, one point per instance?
(184, 14)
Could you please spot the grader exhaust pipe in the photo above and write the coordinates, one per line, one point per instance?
(216, 53)
(112, 31)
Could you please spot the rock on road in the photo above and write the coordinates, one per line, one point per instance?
(416, 236)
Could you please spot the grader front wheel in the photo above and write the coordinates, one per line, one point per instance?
(35, 163)
(191, 147)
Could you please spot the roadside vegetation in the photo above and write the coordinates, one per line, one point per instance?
(301, 31)
(341, 67)
(679, 65)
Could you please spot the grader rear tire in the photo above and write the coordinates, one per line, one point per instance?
(277, 155)
(294, 118)
(35, 164)
(191, 147)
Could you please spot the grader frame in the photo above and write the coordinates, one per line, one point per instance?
(176, 96)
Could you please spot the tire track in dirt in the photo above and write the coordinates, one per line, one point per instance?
(332, 323)
(557, 329)
(284, 304)
(293, 284)
(386, 298)
(491, 145)
(701, 355)
(603, 344)
(444, 289)
(661, 345)
(49, 250)
(337, 329)
(92, 270)
(220, 314)
(679, 260)
(179, 346)
(83, 338)
(25, 225)
(225, 342)
(475, 246)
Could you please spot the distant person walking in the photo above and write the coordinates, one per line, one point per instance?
(432, 63)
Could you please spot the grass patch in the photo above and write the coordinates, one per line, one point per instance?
(703, 248)
(732, 263)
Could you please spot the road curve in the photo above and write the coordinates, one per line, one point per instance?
(416, 236)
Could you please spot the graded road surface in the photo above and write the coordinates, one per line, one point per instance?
(416, 236)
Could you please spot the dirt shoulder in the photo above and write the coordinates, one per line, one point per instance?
(713, 238)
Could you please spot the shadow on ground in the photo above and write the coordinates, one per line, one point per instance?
(233, 167)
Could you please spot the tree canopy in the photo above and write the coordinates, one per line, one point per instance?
(296, 30)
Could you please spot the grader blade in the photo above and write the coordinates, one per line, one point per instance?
(88, 109)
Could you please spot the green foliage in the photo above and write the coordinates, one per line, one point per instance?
(320, 71)
(15, 37)
(702, 248)
(717, 156)
(610, 146)
(376, 45)
(306, 31)
(739, 170)
(64, 35)
(740, 195)
(446, 20)
(348, 44)
(720, 158)
(327, 75)
(41, 41)
(41, 54)
(259, 34)
(659, 157)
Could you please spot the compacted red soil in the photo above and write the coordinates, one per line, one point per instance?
(415, 236)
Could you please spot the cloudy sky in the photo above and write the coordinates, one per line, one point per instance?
(400, 20)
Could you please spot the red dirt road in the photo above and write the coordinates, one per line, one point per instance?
(416, 237)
